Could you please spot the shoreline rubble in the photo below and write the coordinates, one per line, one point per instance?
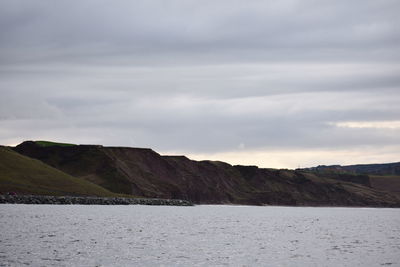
(67, 200)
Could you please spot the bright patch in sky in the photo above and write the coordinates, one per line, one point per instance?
(369, 124)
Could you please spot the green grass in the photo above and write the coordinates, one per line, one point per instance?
(29, 176)
(48, 143)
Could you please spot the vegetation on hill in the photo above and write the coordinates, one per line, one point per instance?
(48, 143)
(25, 175)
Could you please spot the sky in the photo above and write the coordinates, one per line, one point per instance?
(278, 84)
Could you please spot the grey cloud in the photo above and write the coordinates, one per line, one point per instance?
(219, 125)
(203, 76)
(93, 31)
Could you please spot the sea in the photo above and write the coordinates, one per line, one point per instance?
(202, 235)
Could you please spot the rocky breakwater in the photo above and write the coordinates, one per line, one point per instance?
(64, 200)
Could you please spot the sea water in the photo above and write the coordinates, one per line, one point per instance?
(77, 235)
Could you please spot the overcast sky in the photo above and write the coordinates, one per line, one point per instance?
(272, 83)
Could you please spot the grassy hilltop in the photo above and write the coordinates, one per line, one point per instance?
(48, 143)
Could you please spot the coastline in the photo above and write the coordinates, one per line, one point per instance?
(88, 200)
(66, 200)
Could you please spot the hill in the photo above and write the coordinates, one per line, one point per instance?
(370, 169)
(384, 177)
(25, 175)
(145, 173)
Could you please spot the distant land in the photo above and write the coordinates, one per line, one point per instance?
(50, 168)
(374, 169)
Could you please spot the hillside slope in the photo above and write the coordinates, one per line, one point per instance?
(389, 183)
(143, 172)
(25, 175)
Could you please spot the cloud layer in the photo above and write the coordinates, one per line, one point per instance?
(209, 78)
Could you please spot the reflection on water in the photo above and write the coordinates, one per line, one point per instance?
(52, 235)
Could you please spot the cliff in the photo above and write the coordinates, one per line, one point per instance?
(145, 173)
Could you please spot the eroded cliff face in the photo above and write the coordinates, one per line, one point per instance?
(143, 172)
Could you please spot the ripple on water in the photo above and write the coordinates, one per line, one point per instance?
(200, 235)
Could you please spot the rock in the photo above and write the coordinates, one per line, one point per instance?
(66, 200)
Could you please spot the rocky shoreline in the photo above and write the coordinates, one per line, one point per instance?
(65, 200)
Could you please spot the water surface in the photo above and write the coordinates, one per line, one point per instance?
(77, 235)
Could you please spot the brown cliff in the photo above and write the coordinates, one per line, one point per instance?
(143, 172)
